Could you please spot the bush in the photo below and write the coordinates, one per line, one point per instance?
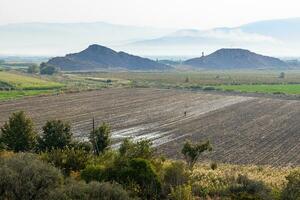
(23, 176)
(94, 173)
(174, 175)
(138, 175)
(292, 189)
(213, 165)
(56, 135)
(140, 149)
(94, 190)
(18, 133)
(67, 159)
(250, 189)
(182, 192)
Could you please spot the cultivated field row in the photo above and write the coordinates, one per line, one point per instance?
(243, 130)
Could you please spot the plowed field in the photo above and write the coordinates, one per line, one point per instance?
(243, 130)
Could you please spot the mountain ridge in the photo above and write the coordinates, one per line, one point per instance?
(97, 57)
(235, 58)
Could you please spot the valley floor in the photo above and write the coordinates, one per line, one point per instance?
(243, 130)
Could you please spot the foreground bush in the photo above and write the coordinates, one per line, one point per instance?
(175, 174)
(67, 160)
(94, 190)
(292, 189)
(23, 176)
(250, 189)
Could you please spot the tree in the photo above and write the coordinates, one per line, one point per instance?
(282, 75)
(33, 69)
(18, 133)
(140, 149)
(47, 69)
(56, 135)
(192, 151)
(100, 138)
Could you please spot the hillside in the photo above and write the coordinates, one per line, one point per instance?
(97, 57)
(235, 59)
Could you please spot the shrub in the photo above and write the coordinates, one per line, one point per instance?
(93, 173)
(23, 176)
(67, 159)
(174, 175)
(140, 149)
(94, 190)
(213, 165)
(56, 135)
(100, 138)
(18, 133)
(250, 189)
(292, 189)
(182, 192)
(138, 175)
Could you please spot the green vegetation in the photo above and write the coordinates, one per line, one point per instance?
(275, 89)
(16, 85)
(18, 133)
(18, 81)
(133, 171)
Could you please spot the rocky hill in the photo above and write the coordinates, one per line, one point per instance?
(97, 57)
(235, 59)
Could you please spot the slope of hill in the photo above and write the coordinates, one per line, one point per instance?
(235, 59)
(97, 57)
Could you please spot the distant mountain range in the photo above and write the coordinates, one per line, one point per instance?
(97, 57)
(235, 59)
(278, 38)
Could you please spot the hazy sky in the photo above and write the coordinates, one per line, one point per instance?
(158, 13)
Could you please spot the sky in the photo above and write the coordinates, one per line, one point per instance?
(197, 14)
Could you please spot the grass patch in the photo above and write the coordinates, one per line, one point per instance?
(17, 94)
(17, 81)
(293, 89)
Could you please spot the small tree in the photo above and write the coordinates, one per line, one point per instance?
(140, 149)
(18, 133)
(33, 69)
(100, 138)
(282, 75)
(47, 69)
(192, 151)
(56, 135)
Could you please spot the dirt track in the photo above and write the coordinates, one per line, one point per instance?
(245, 130)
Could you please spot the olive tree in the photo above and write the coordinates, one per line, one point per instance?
(192, 151)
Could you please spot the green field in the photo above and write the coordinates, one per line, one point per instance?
(17, 94)
(15, 85)
(275, 89)
(17, 81)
